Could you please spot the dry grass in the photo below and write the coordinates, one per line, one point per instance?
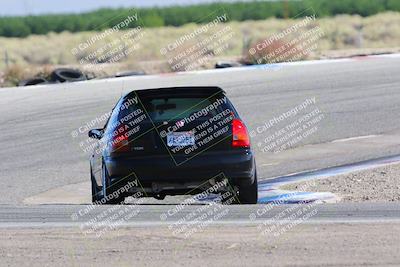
(23, 56)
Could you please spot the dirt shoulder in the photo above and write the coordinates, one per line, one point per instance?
(304, 245)
(379, 184)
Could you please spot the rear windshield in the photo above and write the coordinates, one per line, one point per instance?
(176, 108)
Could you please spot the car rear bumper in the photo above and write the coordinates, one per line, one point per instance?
(238, 166)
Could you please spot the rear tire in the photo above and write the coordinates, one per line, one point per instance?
(96, 197)
(109, 190)
(249, 194)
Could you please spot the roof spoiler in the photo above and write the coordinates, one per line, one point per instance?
(187, 90)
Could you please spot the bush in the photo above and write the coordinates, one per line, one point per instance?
(274, 52)
(13, 75)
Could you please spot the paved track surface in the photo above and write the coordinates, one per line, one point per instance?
(358, 98)
(157, 215)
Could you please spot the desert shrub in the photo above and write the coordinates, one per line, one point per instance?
(271, 52)
(14, 74)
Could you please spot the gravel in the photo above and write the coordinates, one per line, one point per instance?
(378, 185)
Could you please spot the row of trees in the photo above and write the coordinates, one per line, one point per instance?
(179, 15)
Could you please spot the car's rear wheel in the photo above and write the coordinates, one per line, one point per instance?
(96, 192)
(249, 194)
(108, 190)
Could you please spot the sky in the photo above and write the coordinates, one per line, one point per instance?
(35, 7)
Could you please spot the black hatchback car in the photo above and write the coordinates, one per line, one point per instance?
(172, 141)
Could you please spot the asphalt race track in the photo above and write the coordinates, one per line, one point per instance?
(50, 216)
(359, 98)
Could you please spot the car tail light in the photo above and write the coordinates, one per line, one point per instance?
(240, 137)
(119, 141)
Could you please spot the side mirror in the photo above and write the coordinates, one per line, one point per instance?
(96, 133)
